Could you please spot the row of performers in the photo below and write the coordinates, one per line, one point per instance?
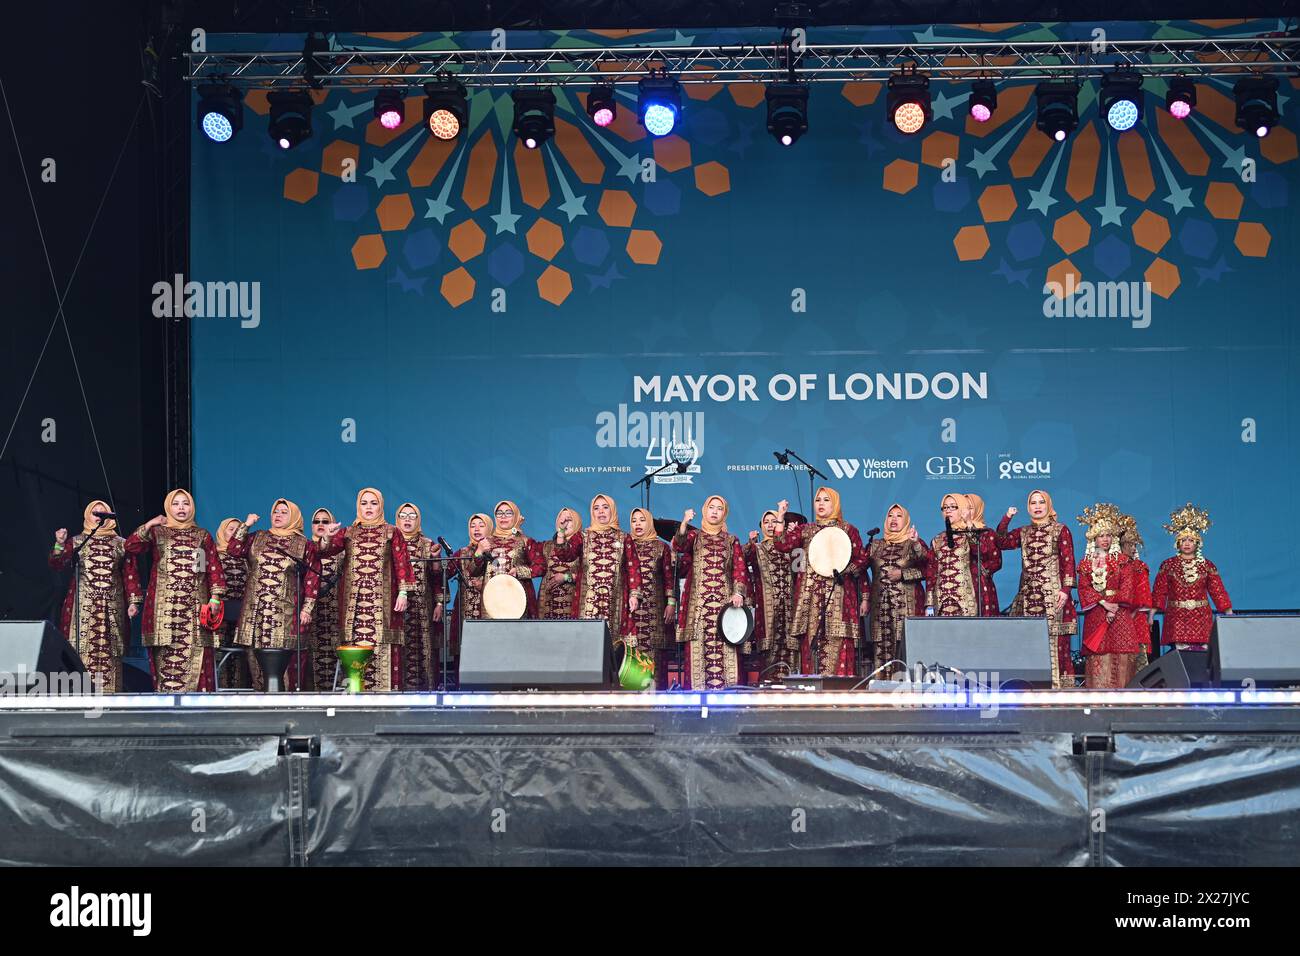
(385, 585)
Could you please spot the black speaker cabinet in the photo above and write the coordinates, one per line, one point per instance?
(535, 655)
(1176, 670)
(1012, 648)
(36, 647)
(1255, 650)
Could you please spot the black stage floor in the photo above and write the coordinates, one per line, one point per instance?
(1031, 778)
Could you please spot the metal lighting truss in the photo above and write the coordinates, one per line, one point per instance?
(341, 68)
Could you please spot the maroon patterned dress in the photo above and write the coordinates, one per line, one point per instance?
(713, 567)
(609, 573)
(105, 583)
(1046, 570)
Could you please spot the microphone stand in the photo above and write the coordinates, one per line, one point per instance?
(648, 480)
(973, 534)
(300, 566)
(811, 472)
(76, 588)
(864, 641)
(443, 575)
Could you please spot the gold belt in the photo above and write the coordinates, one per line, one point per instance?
(1189, 605)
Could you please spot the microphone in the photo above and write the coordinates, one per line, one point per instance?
(445, 546)
(103, 515)
(873, 532)
(947, 530)
(781, 459)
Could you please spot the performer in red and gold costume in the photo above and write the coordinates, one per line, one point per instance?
(771, 577)
(372, 590)
(826, 610)
(423, 609)
(234, 673)
(511, 552)
(1110, 646)
(897, 565)
(1046, 577)
(325, 631)
(609, 572)
(276, 614)
(713, 566)
(103, 594)
(985, 560)
(1187, 582)
(469, 592)
(656, 612)
(1143, 607)
(950, 580)
(559, 578)
(186, 575)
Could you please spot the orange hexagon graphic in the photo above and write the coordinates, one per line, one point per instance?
(616, 207)
(1252, 239)
(747, 95)
(300, 185)
(395, 212)
(939, 146)
(861, 93)
(900, 176)
(971, 242)
(466, 240)
(1151, 231)
(643, 247)
(332, 156)
(712, 179)
(1063, 278)
(1279, 146)
(1163, 276)
(368, 251)
(545, 239)
(457, 287)
(1223, 200)
(672, 153)
(997, 203)
(1071, 232)
(554, 285)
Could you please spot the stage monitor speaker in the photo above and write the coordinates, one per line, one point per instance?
(535, 655)
(37, 647)
(1012, 648)
(1255, 650)
(1175, 670)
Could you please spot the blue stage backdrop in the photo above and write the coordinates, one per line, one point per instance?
(459, 324)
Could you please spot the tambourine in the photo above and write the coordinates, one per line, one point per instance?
(504, 598)
(829, 551)
(212, 618)
(736, 624)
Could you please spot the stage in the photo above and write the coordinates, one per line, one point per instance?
(1064, 778)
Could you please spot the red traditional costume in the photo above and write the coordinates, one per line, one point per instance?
(892, 602)
(186, 575)
(555, 597)
(377, 570)
(1185, 585)
(654, 620)
(234, 674)
(771, 577)
(1046, 572)
(713, 566)
(825, 610)
(325, 630)
(272, 613)
(469, 592)
(512, 552)
(1130, 542)
(987, 559)
(951, 584)
(419, 660)
(94, 618)
(609, 573)
(1110, 645)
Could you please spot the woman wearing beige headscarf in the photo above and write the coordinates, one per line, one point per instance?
(103, 593)
(559, 578)
(325, 631)
(507, 550)
(469, 592)
(276, 612)
(372, 589)
(656, 613)
(186, 575)
(234, 674)
(609, 573)
(897, 586)
(423, 607)
(1046, 577)
(712, 565)
(771, 577)
(985, 559)
(953, 588)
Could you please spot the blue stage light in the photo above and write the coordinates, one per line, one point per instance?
(220, 112)
(1121, 99)
(659, 103)
(1122, 115)
(660, 119)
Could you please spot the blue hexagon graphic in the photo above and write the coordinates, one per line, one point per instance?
(1269, 190)
(1024, 239)
(1112, 256)
(351, 202)
(1197, 238)
(951, 197)
(662, 197)
(421, 249)
(707, 125)
(505, 263)
(590, 246)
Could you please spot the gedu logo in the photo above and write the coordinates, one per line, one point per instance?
(1009, 467)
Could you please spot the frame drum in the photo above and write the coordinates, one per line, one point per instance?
(830, 551)
(504, 598)
(736, 624)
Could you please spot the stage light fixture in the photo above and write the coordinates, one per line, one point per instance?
(445, 109)
(1058, 109)
(1256, 104)
(908, 101)
(534, 116)
(290, 117)
(659, 103)
(1121, 99)
(1180, 100)
(390, 108)
(787, 111)
(983, 100)
(601, 106)
(221, 112)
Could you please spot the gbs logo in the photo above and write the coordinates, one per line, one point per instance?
(950, 466)
(1010, 468)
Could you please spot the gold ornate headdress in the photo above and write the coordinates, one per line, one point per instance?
(1102, 519)
(1188, 521)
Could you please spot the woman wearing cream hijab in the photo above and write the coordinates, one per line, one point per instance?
(325, 631)
(712, 564)
(609, 574)
(507, 550)
(897, 586)
(986, 559)
(186, 575)
(559, 578)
